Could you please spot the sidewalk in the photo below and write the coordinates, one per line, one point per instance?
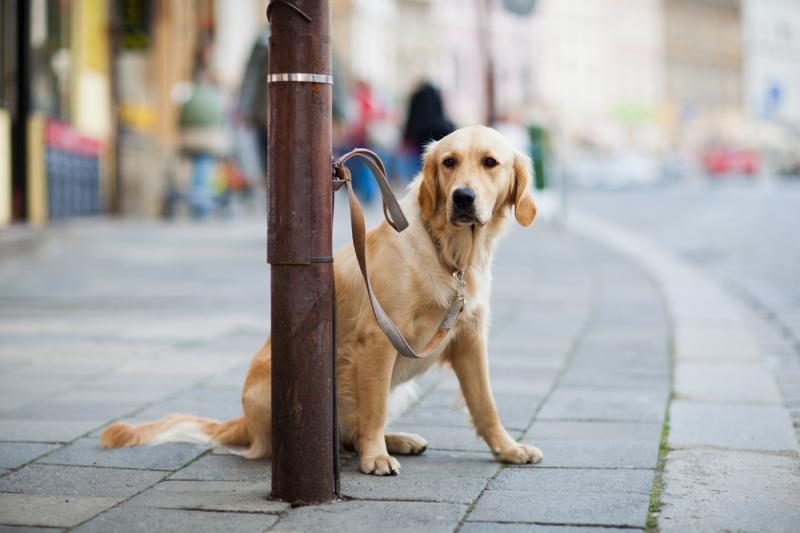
(135, 321)
(733, 460)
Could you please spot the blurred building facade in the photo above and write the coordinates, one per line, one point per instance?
(90, 88)
(88, 110)
(646, 75)
(703, 60)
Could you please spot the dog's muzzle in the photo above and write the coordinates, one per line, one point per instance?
(464, 206)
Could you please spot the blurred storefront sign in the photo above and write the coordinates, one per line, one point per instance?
(56, 61)
(72, 165)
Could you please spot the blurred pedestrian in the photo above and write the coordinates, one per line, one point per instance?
(365, 111)
(254, 96)
(426, 122)
(203, 137)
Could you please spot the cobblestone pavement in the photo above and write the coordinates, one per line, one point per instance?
(133, 321)
(745, 235)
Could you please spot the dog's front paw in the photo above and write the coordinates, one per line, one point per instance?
(380, 465)
(520, 454)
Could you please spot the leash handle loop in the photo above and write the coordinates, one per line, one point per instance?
(391, 208)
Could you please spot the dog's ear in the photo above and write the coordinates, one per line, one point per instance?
(524, 207)
(428, 194)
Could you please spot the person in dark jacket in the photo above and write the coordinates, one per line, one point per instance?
(254, 96)
(426, 120)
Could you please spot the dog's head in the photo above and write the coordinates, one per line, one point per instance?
(474, 175)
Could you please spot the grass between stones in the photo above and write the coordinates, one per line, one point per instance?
(654, 507)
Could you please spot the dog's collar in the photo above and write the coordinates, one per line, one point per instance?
(456, 304)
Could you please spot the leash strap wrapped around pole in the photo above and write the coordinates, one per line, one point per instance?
(396, 218)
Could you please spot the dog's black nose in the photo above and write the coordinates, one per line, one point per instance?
(463, 198)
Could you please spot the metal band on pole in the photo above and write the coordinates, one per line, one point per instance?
(300, 77)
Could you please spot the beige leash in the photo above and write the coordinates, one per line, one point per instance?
(395, 217)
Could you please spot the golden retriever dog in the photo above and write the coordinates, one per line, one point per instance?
(470, 182)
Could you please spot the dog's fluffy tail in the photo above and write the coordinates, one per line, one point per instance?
(177, 428)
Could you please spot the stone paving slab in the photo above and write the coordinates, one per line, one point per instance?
(499, 527)
(16, 454)
(86, 452)
(214, 467)
(233, 377)
(24, 529)
(94, 394)
(234, 496)
(567, 496)
(13, 400)
(436, 416)
(596, 404)
(135, 519)
(67, 411)
(595, 454)
(450, 477)
(500, 359)
(742, 383)
(220, 404)
(516, 411)
(535, 387)
(714, 490)
(45, 430)
(623, 354)
(544, 353)
(53, 371)
(37, 388)
(611, 378)
(703, 343)
(746, 427)
(371, 516)
(51, 511)
(54, 480)
(161, 383)
(595, 431)
(621, 333)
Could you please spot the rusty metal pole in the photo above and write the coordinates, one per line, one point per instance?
(299, 248)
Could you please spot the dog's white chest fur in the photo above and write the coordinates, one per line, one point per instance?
(476, 296)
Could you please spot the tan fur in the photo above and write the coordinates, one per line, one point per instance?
(411, 274)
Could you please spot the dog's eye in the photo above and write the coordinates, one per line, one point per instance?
(490, 162)
(450, 162)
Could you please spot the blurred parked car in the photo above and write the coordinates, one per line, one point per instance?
(719, 162)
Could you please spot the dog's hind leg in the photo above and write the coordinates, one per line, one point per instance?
(257, 405)
(406, 444)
